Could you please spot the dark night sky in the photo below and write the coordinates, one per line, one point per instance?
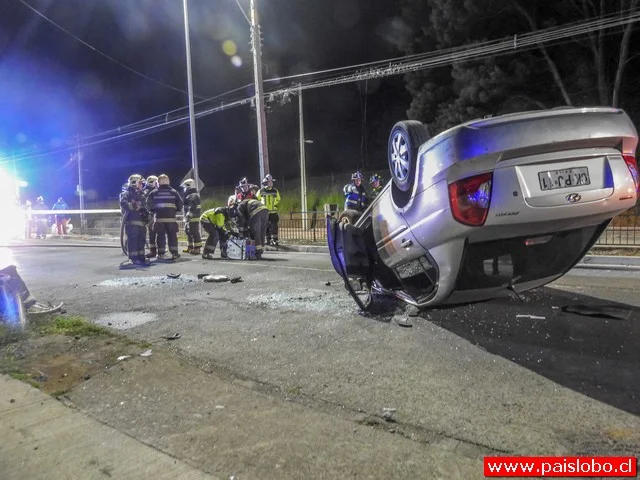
(53, 88)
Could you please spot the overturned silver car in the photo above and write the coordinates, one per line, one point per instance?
(489, 207)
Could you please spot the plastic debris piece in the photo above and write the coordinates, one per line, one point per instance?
(216, 278)
(40, 308)
(146, 353)
(173, 275)
(219, 407)
(403, 321)
(175, 336)
(328, 284)
(388, 413)
(236, 280)
(202, 275)
(531, 317)
(123, 357)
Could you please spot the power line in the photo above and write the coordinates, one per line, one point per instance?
(108, 57)
(526, 42)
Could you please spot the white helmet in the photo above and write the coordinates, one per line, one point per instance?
(152, 181)
(231, 201)
(134, 180)
(188, 183)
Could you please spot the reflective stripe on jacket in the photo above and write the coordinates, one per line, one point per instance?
(192, 206)
(270, 198)
(219, 217)
(164, 203)
(355, 198)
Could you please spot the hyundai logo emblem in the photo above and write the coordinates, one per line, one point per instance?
(573, 198)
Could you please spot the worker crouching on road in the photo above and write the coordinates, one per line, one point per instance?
(252, 220)
(135, 218)
(164, 203)
(218, 223)
(151, 185)
(192, 212)
(270, 198)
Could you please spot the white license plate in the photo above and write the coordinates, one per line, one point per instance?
(566, 178)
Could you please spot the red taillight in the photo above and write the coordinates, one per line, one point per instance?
(470, 199)
(631, 162)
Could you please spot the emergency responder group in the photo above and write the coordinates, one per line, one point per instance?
(149, 208)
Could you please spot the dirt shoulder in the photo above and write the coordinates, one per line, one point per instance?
(218, 423)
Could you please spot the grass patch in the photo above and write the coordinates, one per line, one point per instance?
(58, 393)
(71, 325)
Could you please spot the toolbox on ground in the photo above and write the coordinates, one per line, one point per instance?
(241, 249)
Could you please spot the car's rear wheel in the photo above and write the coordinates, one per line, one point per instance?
(404, 142)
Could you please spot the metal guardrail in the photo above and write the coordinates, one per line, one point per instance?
(623, 231)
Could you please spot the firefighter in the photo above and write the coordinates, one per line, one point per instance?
(151, 185)
(376, 185)
(40, 220)
(164, 202)
(252, 220)
(63, 219)
(270, 198)
(218, 223)
(133, 207)
(192, 212)
(245, 190)
(355, 195)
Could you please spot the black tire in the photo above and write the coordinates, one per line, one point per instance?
(402, 153)
(349, 217)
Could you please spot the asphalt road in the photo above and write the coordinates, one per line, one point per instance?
(478, 375)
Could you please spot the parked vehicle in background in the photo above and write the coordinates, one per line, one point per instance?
(489, 207)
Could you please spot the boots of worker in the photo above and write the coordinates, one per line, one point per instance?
(207, 256)
(188, 249)
(174, 256)
(151, 254)
(195, 251)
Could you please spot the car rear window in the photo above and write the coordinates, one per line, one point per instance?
(523, 259)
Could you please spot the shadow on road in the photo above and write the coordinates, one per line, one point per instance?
(598, 357)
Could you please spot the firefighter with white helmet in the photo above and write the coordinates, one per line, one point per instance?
(192, 212)
(270, 198)
(150, 186)
(132, 205)
(164, 202)
(355, 195)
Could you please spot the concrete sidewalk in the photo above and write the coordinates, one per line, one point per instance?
(44, 439)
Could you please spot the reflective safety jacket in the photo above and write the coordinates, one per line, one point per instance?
(133, 207)
(270, 198)
(247, 210)
(355, 198)
(375, 192)
(219, 217)
(164, 202)
(192, 205)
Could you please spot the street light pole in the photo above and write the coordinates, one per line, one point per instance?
(303, 163)
(256, 42)
(80, 187)
(192, 116)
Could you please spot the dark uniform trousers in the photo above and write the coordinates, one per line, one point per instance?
(215, 234)
(258, 224)
(272, 227)
(166, 232)
(136, 236)
(151, 230)
(192, 229)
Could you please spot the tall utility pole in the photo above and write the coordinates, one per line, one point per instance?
(303, 163)
(192, 116)
(80, 187)
(256, 42)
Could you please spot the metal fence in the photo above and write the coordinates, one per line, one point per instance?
(624, 230)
